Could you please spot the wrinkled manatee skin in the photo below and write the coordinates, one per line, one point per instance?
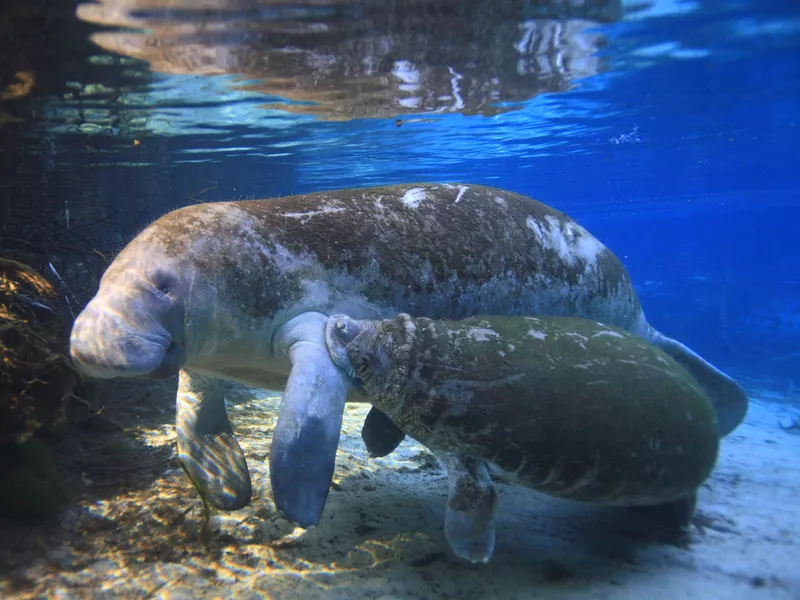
(569, 407)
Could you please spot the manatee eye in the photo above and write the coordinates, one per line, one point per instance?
(341, 329)
(164, 282)
(345, 330)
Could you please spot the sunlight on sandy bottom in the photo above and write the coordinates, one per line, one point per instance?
(150, 539)
(381, 534)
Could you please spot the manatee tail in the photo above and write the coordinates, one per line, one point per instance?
(728, 397)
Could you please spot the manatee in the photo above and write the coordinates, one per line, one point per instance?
(241, 291)
(569, 407)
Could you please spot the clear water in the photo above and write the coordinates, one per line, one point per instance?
(670, 134)
(668, 128)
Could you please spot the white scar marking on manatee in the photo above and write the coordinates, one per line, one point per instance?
(414, 197)
(461, 191)
(481, 334)
(568, 239)
(581, 339)
(534, 226)
(311, 213)
(555, 239)
(288, 261)
(573, 334)
(609, 333)
(539, 335)
(500, 201)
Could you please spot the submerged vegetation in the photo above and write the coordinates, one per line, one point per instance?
(36, 378)
(36, 383)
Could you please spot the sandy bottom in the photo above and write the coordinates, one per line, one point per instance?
(134, 531)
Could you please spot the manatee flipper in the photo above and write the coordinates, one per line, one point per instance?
(207, 448)
(471, 508)
(303, 451)
(381, 436)
(729, 399)
(678, 513)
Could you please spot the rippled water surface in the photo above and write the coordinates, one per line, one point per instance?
(667, 127)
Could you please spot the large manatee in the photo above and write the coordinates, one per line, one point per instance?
(241, 291)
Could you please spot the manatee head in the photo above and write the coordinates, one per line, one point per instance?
(378, 353)
(340, 330)
(135, 326)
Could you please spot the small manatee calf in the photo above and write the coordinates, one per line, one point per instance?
(569, 407)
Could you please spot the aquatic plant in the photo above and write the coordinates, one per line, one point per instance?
(36, 378)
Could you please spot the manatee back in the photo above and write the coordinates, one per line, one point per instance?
(435, 250)
(570, 407)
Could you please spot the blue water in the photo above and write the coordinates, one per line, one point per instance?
(681, 155)
(673, 137)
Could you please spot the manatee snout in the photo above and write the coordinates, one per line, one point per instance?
(122, 335)
(340, 332)
(349, 339)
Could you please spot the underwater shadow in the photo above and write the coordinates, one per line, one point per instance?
(393, 520)
(115, 438)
